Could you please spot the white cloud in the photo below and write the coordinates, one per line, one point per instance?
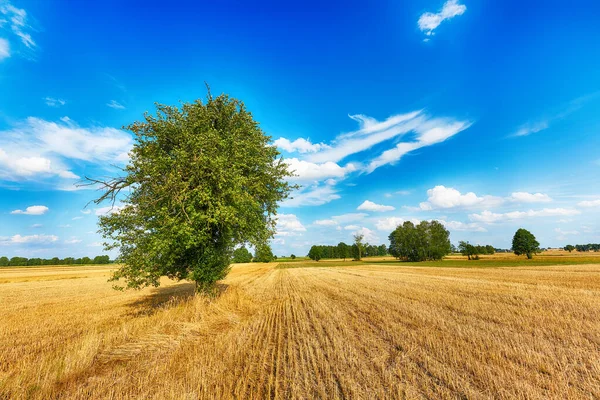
(314, 196)
(390, 223)
(86, 212)
(351, 227)
(289, 223)
(4, 49)
(115, 104)
(532, 127)
(52, 102)
(443, 197)
(108, 210)
(461, 226)
(428, 21)
(37, 148)
(299, 145)
(565, 233)
(64, 226)
(76, 218)
(73, 241)
(524, 197)
(32, 210)
(368, 235)
(31, 239)
(17, 19)
(589, 203)
(325, 222)
(307, 171)
(403, 192)
(490, 217)
(37, 225)
(429, 132)
(349, 217)
(370, 206)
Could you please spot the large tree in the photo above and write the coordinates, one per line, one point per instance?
(525, 243)
(358, 245)
(426, 241)
(241, 255)
(202, 179)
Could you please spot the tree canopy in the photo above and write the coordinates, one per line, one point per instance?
(264, 254)
(426, 241)
(241, 255)
(202, 179)
(525, 243)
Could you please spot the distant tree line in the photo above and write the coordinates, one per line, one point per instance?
(473, 251)
(22, 261)
(343, 250)
(583, 247)
(429, 240)
(263, 253)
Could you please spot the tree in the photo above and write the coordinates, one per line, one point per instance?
(343, 250)
(569, 248)
(467, 249)
(525, 243)
(426, 241)
(4, 261)
(358, 238)
(201, 180)
(314, 253)
(101, 260)
(293, 256)
(263, 253)
(241, 255)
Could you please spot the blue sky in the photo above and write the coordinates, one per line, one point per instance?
(485, 115)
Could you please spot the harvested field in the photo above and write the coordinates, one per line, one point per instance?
(353, 330)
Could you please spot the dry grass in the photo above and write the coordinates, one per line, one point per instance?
(351, 331)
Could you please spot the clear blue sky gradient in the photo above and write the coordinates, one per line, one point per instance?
(302, 69)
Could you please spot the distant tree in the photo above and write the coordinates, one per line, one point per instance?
(358, 242)
(241, 255)
(202, 179)
(314, 253)
(101, 260)
(467, 249)
(381, 250)
(343, 250)
(18, 262)
(426, 241)
(263, 253)
(293, 256)
(569, 248)
(4, 261)
(525, 243)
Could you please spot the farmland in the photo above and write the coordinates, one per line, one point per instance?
(377, 329)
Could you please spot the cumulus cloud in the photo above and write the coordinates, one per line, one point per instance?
(313, 196)
(300, 145)
(428, 22)
(115, 104)
(443, 197)
(28, 240)
(524, 197)
(370, 206)
(461, 226)
(491, 217)
(32, 210)
(289, 223)
(36, 149)
(307, 171)
(589, 203)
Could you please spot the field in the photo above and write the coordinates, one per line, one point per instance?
(344, 330)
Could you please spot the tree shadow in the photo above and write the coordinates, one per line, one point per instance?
(165, 296)
(160, 297)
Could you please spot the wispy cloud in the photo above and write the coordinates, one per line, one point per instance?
(16, 19)
(543, 123)
(491, 217)
(52, 102)
(428, 22)
(115, 104)
(300, 145)
(312, 196)
(4, 49)
(32, 210)
(28, 240)
(37, 149)
(589, 203)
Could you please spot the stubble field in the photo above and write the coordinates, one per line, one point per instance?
(347, 330)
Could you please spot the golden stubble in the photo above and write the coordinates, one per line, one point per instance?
(356, 331)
